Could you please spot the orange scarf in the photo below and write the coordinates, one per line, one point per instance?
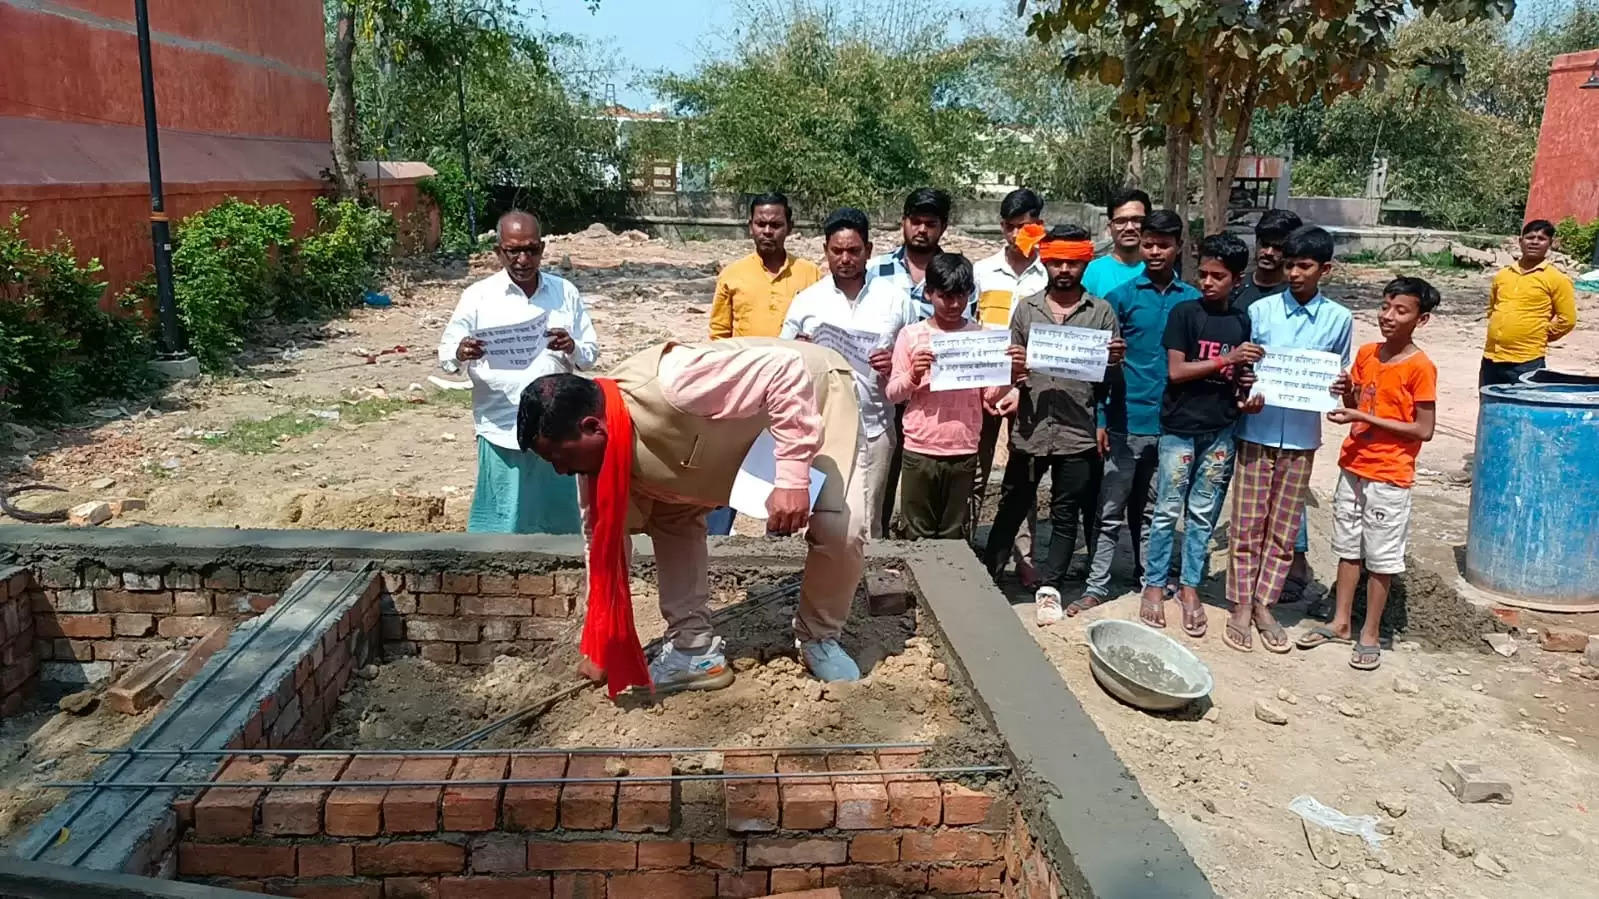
(1066, 250)
(1029, 237)
(610, 642)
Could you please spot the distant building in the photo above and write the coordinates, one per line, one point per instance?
(241, 97)
(1565, 173)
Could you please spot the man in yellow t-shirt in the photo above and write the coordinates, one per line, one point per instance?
(752, 294)
(1530, 305)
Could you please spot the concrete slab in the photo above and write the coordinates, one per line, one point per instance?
(124, 830)
(1103, 835)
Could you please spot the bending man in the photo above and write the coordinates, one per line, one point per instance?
(694, 411)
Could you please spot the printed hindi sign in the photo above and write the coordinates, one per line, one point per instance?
(856, 346)
(514, 346)
(1068, 352)
(1298, 379)
(965, 359)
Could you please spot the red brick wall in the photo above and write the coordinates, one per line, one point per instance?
(619, 840)
(468, 618)
(19, 663)
(1565, 173)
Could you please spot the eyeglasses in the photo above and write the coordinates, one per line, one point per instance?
(513, 252)
(1126, 220)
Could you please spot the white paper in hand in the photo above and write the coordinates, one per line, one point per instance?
(1068, 352)
(1298, 379)
(855, 346)
(757, 478)
(514, 347)
(966, 359)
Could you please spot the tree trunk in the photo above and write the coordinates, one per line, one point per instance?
(341, 104)
(1135, 159)
(1221, 166)
(1175, 195)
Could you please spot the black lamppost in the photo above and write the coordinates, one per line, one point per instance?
(160, 231)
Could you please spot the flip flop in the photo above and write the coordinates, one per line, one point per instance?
(1320, 635)
(1274, 638)
(1231, 636)
(1147, 608)
(1358, 659)
(1190, 614)
(1084, 603)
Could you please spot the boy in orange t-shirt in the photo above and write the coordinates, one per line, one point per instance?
(1389, 403)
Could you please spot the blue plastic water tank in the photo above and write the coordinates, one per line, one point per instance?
(1534, 528)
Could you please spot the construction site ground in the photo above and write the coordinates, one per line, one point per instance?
(331, 425)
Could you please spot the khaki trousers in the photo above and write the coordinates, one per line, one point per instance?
(833, 564)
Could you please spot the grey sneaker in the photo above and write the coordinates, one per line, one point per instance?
(674, 670)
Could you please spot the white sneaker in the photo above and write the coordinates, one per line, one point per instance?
(674, 670)
(1047, 603)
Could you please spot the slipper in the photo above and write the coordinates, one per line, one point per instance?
(1274, 638)
(1365, 657)
(1084, 603)
(1237, 639)
(1320, 635)
(1148, 608)
(1293, 590)
(1191, 615)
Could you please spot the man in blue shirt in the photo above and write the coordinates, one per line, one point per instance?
(1126, 210)
(1276, 446)
(1129, 422)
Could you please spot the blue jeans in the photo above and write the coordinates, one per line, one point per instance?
(1193, 477)
(1302, 539)
(719, 521)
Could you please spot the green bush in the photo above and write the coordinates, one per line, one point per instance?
(1577, 240)
(58, 348)
(331, 269)
(225, 274)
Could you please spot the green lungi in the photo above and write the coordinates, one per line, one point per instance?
(520, 493)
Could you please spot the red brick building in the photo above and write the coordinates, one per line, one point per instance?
(241, 97)
(1565, 174)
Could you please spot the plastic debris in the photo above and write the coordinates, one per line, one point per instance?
(1363, 826)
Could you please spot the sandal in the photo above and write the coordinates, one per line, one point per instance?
(1150, 607)
(1366, 657)
(1320, 635)
(1085, 602)
(1194, 623)
(1237, 638)
(1293, 590)
(1272, 636)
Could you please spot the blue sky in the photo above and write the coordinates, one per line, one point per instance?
(647, 35)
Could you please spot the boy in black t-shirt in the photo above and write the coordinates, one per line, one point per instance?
(1207, 344)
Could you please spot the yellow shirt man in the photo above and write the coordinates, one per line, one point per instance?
(1528, 310)
(751, 301)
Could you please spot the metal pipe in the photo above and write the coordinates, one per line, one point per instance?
(517, 781)
(160, 231)
(816, 749)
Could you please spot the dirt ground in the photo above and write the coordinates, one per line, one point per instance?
(262, 448)
(44, 744)
(905, 695)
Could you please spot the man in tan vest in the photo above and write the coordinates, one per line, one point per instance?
(696, 409)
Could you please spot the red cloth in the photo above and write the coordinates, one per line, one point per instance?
(610, 640)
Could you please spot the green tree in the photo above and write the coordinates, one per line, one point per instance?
(816, 106)
(1204, 67)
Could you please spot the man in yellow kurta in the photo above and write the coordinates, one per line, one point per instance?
(1531, 304)
(752, 294)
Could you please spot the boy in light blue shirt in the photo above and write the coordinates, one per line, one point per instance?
(1276, 446)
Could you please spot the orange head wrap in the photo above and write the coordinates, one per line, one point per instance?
(1066, 250)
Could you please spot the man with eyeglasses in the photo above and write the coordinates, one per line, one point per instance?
(1126, 211)
(516, 492)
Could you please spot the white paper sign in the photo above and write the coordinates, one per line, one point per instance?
(757, 478)
(856, 346)
(1298, 379)
(514, 346)
(1068, 352)
(967, 359)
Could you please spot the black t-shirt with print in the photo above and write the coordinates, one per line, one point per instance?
(1248, 292)
(1210, 403)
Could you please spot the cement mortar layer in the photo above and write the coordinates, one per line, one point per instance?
(1084, 808)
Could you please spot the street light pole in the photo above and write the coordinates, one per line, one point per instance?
(466, 154)
(160, 231)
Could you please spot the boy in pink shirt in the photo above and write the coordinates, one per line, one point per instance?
(942, 429)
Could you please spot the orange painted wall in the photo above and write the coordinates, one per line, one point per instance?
(1565, 173)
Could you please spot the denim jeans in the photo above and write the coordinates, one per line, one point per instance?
(719, 523)
(1123, 499)
(1192, 485)
(1302, 539)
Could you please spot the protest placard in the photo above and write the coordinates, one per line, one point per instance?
(1068, 352)
(965, 359)
(757, 478)
(514, 346)
(856, 346)
(1298, 379)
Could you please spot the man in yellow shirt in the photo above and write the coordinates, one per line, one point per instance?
(752, 294)
(1530, 305)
